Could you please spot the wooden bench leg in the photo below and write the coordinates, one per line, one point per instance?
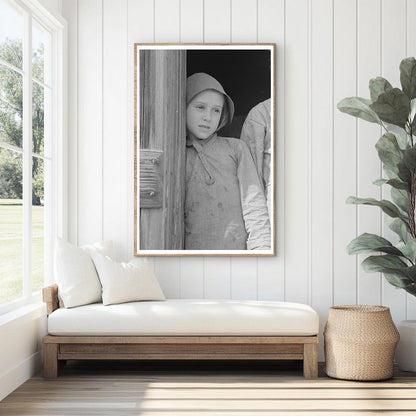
(310, 360)
(50, 360)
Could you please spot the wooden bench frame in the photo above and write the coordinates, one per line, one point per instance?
(58, 349)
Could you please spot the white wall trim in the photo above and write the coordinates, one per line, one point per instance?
(11, 379)
(41, 12)
(21, 309)
(24, 367)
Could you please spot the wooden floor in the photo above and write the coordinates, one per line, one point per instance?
(221, 389)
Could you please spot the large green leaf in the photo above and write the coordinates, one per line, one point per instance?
(400, 228)
(378, 86)
(380, 182)
(366, 243)
(394, 269)
(392, 107)
(404, 173)
(400, 198)
(398, 184)
(397, 280)
(408, 77)
(412, 115)
(411, 289)
(389, 151)
(401, 139)
(359, 107)
(391, 174)
(409, 158)
(408, 249)
(382, 263)
(411, 273)
(407, 274)
(395, 183)
(388, 207)
(386, 261)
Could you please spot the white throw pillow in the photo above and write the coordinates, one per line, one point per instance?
(126, 282)
(75, 273)
(103, 247)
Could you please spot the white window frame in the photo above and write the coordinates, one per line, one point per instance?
(58, 211)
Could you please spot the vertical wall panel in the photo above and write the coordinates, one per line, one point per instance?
(167, 29)
(192, 31)
(393, 51)
(217, 274)
(217, 21)
(192, 21)
(244, 21)
(296, 152)
(90, 183)
(244, 29)
(140, 30)
(217, 29)
(369, 167)
(411, 51)
(140, 21)
(168, 275)
(167, 21)
(393, 38)
(411, 28)
(192, 278)
(345, 151)
(271, 29)
(70, 11)
(243, 278)
(321, 166)
(115, 158)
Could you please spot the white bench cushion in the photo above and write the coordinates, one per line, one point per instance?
(187, 317)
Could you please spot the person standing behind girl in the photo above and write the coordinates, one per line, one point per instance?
(256, 132)
(225, 206)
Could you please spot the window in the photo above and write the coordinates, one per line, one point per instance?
(31, 140)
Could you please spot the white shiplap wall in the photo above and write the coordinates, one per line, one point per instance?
(326, 50)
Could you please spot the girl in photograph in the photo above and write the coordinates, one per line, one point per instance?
(225, 206)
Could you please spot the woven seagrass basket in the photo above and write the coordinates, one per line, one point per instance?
(360, 341)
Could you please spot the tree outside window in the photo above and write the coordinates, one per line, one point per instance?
(24, 86)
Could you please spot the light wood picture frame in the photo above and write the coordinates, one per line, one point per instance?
(204, 140)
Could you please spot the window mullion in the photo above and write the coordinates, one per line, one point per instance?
(27, 157)
(12, 67)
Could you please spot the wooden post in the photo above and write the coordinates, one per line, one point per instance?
(162, 128)
(310, 360)
(50, 360)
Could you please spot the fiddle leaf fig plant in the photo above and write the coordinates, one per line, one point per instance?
(394, 109)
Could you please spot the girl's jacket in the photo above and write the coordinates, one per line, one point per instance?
(225, 206)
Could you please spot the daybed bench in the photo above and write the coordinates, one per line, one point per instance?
(181, 329)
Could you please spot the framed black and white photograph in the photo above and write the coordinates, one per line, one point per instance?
(204, 131)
